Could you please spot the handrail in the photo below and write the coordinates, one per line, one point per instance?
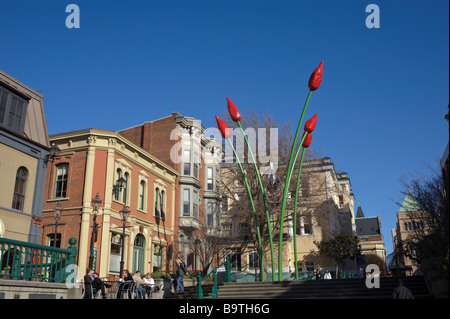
(27, 261)
(214, 294)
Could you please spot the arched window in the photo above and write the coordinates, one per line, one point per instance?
(161, 204)
(138, 253)
(125, 188)
(19, 188)
(157, 207)
(118, 176)
(142, 195)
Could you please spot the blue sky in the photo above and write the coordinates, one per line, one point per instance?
(381, 104)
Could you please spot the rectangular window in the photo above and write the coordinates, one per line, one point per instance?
(235, 259)
(186, 202)
(51, 240)
(12, 111)
(209, 179)
(253, 260)
(195, 199)
(307, 225)
(3, 97)
(210, 214)
(115, 253)
(187, 162)
(341, 201)
(196, 164)
(15, 114)
(157, 258)
(309, 266)
(60, 187)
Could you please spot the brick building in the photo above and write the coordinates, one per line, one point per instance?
(180, 143)
(90, 163)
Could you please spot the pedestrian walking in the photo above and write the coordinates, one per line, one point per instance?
(401, 292)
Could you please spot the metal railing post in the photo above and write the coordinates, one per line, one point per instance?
(228, 270)
(199, 289)
(214, 293)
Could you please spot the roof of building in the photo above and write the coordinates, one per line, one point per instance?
(359, 212)
(366, 226)
(409, 205)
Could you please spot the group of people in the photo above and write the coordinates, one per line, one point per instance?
(143, 286)
(326, 275)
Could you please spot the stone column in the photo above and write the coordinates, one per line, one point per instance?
(83, 245)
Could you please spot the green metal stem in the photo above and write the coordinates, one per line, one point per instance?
(295, 207)
(266, 208)
(258, 234)
(286, 190)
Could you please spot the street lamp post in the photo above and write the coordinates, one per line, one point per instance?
(97, 201)
(124, 213)
(57, 210)
(117, 188)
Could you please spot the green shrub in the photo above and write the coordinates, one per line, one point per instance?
(157, 275)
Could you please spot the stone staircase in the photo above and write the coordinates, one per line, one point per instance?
(310, 289)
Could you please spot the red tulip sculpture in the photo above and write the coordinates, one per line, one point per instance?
(313, 84)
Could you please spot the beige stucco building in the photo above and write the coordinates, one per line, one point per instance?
(24, 150)
(326, 204)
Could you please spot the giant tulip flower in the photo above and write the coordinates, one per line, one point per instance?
(310, 125)
(234, 113)
(307, 141)
(223, 128)
(316, 78)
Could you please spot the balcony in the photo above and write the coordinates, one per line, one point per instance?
(189, 223)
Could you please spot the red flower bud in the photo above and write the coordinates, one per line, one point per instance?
(307, 141)
(223, 128)
(316, 78)
(234, 113)
(311, 124)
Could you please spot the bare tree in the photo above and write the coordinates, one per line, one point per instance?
(430, 223)
(232, 183)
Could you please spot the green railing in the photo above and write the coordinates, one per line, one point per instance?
(32, 262)
(214, 293)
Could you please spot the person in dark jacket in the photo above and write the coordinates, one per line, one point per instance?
(401, 292)
(98, 284)
(180, 272)
(88, 279)
(125, 283)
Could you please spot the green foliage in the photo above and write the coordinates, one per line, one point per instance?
(157, 275)
(340, 248)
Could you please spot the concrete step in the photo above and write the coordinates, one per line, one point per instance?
(341, 288)
(317, 289)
